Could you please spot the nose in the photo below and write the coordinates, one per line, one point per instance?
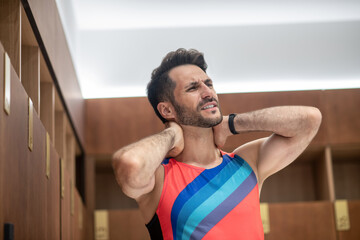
(206, 92)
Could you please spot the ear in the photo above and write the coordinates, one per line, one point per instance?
(166, 110)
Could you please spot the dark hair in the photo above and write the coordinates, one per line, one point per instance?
(161, 87)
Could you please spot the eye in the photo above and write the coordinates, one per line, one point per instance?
(209, 84)
(193, 88)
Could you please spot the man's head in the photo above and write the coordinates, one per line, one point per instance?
(180, 89)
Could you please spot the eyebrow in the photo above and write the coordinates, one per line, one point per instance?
(194, 83)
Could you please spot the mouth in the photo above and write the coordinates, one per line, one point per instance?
(209, 106)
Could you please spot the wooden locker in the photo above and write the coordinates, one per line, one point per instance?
(342, 115)
(35, 217)
(15, 159)
(78, 218)
(53, 196)
(306, 179)
(2, 112)
(354, 214)
(30, 72)
(65, 209)
(10, 31)
(120, 224)
(302, 220)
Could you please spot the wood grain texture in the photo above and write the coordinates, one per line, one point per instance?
(70, 157)
(342, 115)
(108, 192)
(300, 181)
(48, 22)
(15, 159)
(24, 187)
(298, 221)
(47, 106)
(294, 183)
(53, 196)
(354, 232)
(346, 167)
(325, 177)
(2, 127)
(35, 217)
(65, 209)
(60, 133)
(78, 230)
(10, 31)
(27, 35)
(120, 221)
(117, 122)
(89, 197)
(30, 73)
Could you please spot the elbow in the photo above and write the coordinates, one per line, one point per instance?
(126, 168)
(315, 118)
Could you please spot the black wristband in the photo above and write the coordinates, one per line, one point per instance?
(231, 124)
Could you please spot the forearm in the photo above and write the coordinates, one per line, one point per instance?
(287, 121)
(136, 164)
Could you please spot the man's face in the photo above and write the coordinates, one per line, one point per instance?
(196, 102)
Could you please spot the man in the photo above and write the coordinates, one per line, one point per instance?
(199, 191)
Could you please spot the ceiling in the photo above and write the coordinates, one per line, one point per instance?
(250, 46)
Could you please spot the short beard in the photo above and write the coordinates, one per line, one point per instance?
(194, 118)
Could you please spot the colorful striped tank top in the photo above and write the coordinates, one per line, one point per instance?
(217, 203)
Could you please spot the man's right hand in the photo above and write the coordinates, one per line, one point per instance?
(178, 145)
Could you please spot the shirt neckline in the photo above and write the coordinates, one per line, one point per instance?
(223, 154)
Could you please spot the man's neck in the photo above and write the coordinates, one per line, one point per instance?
(199, 148)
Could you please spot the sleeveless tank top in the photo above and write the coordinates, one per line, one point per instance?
(217, 203)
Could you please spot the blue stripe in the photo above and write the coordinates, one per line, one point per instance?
(195, 199)
(221, 191)
(224, 208)
(192, 188)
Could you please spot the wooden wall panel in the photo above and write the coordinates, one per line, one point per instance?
(47, 113)
(2, 113)
(89, 197)
(120, 221)
(36, 185)
(324, 176)
(30, 77)
(342, 114)
(23, 180)
(53, 196)
(354, 232)
(346, 168)
(115, 123)
(65, 210)
(48, 22)
(60, 134)
(10, 31)
(70, 157)
(296, 182)
(15, 159)
(298, 221)
(108, 192)
(78, 218)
